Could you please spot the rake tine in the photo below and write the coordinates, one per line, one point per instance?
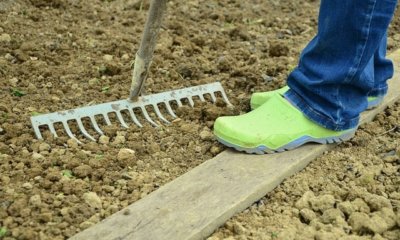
(158, 113)
(134, 119)
(37, 133)
(95, 126)
(83, 130)
(179, 103)
(201, 97)
(225, 98)
(52, 130)
(169, 109)
(69, 133)
(121, 119)
(213, 98)
(191, 103)
(107, 119)
(146, 115)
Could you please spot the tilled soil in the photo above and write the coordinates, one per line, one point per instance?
(56, 55)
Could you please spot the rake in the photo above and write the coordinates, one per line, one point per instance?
(136, 103)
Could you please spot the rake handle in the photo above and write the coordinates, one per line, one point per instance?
(146, 49)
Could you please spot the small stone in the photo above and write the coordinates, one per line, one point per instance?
(55, 99)
(95, 218)
(9, 57)
(176, 120)
(64, 211)
(108, 57)
(44, 147)
(127, 212)
(119, 140)
(35, 200)
(32, 87)
(37, 178)
(358, 221)
(45, 217)
(27, 186)
(307, 215)
(126, 154)
(92, 200)
(322, 203)
(93, 81)
(36, 156)
(86, 224)
(238, 228)
(332, 215)
(197, 149)
(390, 159)
(104, 139)
(72, 143)
(83, 171)
(125, 57)
(346, 207)
(5, 38)
(206, 135)
(304, 201)
(13, 81)
(215, 150)
(376, 202)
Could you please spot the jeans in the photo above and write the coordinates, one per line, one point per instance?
(344, 63)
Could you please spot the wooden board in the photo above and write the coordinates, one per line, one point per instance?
(198, 202)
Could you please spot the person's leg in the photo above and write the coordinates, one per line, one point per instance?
(378, 70)
(327, 92)
(383, 70)
(327, 86)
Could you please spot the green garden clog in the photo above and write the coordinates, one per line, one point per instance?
(257, 99)
(275, 126)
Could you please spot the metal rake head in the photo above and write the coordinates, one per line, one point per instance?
(118, 107)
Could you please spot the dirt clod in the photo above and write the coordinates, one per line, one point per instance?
(126, 154)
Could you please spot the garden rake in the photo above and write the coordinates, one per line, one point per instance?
(136, 102)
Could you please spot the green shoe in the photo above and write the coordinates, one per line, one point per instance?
(275, 126)
(257, 99)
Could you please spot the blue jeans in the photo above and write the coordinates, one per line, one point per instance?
(344, 64)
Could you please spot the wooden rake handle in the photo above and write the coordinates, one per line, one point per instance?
(146, 49)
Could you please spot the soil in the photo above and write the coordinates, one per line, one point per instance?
(57, 55)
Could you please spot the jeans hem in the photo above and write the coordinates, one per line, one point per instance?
(378, 92)
(317, 117)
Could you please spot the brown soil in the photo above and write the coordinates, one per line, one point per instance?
(55, 55)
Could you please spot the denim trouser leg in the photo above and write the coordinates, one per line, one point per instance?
(382, 70)
(344, 63)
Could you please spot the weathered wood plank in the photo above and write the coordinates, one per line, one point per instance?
(195, 204)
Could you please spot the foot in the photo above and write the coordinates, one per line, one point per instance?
(257, 99)
(275, 126)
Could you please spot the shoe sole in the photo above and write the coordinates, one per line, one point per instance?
(374, 103)
(262, 149)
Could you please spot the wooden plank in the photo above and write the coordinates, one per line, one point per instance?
(196, 203)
